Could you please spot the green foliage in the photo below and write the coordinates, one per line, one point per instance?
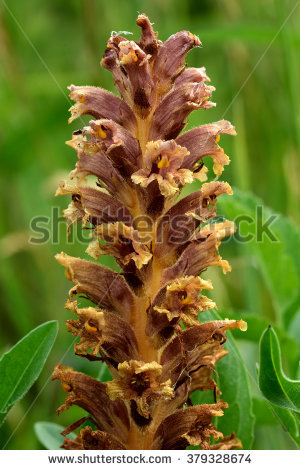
(49, 434)
(281, 392)
(256, 326)
(276, 250)
(21, 366)
(277, 388)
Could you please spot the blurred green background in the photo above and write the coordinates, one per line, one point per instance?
(251, 53)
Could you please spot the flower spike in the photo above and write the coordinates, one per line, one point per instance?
(143, 320)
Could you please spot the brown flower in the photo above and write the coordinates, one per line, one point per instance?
(122, 242)
(162, 162)
(191, 426)
(182, 300)
(140, 382)
(102, 331)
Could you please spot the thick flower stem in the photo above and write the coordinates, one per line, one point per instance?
(146, 349)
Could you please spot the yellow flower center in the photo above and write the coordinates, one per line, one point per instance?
(66, 387)
(163, 162)
(89, 328)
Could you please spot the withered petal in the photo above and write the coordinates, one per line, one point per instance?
(170, 115)
(170, 59)
(105, 287)
(94, 205)
(201, 253)
(101, 104)
(88, 439)
(191, 424)
(201, 142)
(90, 394)
(102, 329)
(148, 40)
(228, 443)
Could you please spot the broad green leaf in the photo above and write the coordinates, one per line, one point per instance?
(21, 366)
(277, 256)
(289, 421)
(49, 434)
(233, 383)
(256, 326)
(276, 387)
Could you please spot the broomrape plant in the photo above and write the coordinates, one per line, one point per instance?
(144, 320)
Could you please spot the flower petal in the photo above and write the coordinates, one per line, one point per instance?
(140, 382)
(175, 355)
(90, 394)
(169, 62)
(191, 426)
(122, 241)
(93, 205)
(201, 253)
(105, 287)
(130, 67)
(228, 443)
(93, 440)
(148, 41)
(192, 75)
(201, 142)
(100, 330)
(170, 115)
(101, 104)
(177, 226)
(118, 144)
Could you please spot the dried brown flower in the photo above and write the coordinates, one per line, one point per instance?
(144, 319)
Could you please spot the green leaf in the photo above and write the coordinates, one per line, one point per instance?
(289, 421)
(233, 383)
(21, 366)
(49, 434)
(262, 410)
(278, 259)
(276, 387)
(256, 326)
